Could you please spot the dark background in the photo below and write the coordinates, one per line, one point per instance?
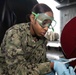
(12, 12)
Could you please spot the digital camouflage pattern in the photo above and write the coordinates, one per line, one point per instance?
(23, 55)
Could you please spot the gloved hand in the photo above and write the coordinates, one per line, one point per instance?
(71, 71)
(64, 60)
(52, 36)
(61, 69)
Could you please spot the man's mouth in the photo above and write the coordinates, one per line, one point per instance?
(42, 33)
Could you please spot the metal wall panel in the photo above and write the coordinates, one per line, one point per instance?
(67, 12)
(66, 15)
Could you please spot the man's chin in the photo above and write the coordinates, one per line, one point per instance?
(41, 36)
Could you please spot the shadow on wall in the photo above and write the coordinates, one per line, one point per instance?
(12, 12)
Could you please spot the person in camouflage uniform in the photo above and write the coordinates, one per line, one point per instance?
(23, 53)
(24, 46)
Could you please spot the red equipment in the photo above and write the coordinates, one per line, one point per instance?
(68, 40)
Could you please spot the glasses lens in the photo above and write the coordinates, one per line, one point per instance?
(53, 23)
(46, 22)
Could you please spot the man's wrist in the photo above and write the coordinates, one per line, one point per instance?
(52, 64)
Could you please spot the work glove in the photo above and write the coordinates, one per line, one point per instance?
(61, 69)
(71, 70)
(52, 36)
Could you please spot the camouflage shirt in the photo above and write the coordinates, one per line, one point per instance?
(23, 55)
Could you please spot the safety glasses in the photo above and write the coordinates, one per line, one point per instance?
(44, 20)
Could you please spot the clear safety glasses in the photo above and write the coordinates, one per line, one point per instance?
(44, 20)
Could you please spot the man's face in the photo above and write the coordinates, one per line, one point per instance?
(42, 23)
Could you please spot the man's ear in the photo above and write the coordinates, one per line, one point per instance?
(32, 18)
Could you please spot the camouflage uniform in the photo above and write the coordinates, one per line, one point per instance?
(23, 55)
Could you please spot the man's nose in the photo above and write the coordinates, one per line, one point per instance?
(46, 28)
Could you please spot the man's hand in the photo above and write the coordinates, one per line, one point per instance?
(61, 69)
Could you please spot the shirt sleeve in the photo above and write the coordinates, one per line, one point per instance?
(14, 57)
